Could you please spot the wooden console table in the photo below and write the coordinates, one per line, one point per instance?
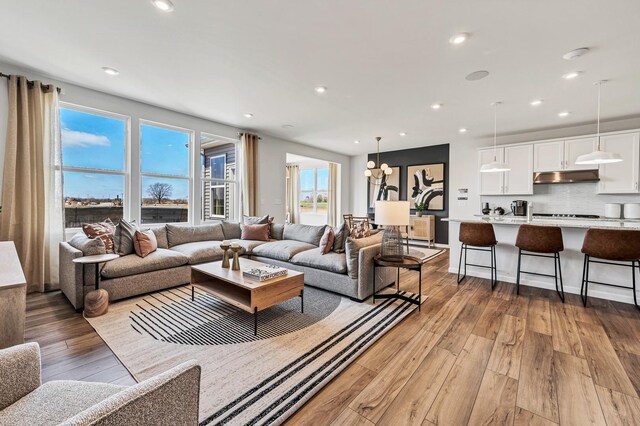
(13, 296)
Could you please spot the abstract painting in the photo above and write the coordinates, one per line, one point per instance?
(425, 185)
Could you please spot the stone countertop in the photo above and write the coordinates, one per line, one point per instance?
(563, 222)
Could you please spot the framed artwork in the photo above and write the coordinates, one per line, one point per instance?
(425, 185)
(385, 188)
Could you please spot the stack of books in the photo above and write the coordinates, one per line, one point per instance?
(264, 272)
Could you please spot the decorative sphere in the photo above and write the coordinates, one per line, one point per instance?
(384, 166)
(371, 165)
(388, 171)
(367, 173)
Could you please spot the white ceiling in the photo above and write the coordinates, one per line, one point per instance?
(384, 62)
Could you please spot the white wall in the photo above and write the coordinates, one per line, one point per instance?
(359, 185)
(271, 151)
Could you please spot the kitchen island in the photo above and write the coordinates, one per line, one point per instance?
(573, 231)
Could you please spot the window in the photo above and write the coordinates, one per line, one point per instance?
(219, 178)
(93, 158)
(314, 190)
(164, 168)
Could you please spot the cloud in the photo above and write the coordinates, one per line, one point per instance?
(83, 139)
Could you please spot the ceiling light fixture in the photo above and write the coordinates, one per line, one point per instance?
(536, 102)
(356, 142)
(495, 166)
(599, 156)
(110, 71)
(248, 114)
(403, 133)
(563, 114)
(462, 130)
(163, 5)
(477, 75)
(320, 89)
(571, 75)
(459, 38)
(287, 126)
(375, 171)
(436, 106)
(575, 53)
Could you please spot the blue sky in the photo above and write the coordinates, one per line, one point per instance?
(306, 179)
(98, 142)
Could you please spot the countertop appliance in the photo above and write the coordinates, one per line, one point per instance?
(519, 208)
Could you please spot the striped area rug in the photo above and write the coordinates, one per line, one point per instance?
(247, 379)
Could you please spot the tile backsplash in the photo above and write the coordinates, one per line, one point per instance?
(570, 198)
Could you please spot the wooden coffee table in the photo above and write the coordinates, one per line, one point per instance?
(242, 292)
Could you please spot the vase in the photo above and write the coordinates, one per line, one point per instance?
(225, 256)
(419, 213)
(236, 261)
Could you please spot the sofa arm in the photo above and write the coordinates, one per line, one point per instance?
(20, 372)
(70, 274)
(170, 398)
(384, 276)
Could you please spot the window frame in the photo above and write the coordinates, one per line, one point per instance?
(314, 191)
(188, 177)
(126, 171)
(219, 183)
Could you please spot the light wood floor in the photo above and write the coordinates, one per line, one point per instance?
(470, 357)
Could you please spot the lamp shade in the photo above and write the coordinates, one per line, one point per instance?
(392, 213)
(599, 157)
(495, 167)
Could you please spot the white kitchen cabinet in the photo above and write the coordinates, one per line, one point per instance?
(490, 183)
(574, 148)
(548, 156)
(620, 178)
(518, 180)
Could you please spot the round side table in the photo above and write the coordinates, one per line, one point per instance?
(408, 262)
(96, 302)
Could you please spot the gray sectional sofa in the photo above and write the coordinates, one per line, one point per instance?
(294, 246)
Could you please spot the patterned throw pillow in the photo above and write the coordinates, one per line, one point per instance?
(359, 230)
(326, 243)
(145, 242)
(103, 230)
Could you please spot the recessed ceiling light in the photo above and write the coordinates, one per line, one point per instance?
(459, 38)
(571, 75)
(575, 53)
(287, 126)
(403, 133)
(536, 102)
(320, 89)
(477, 75)
(248, 114)
(563, 114)
(356, 141)
(110, 71)
(436, 106)
(163, 5)
(462, 130)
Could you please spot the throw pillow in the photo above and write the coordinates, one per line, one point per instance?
(359, 230)
(102, 230)
(255, 220)
(340, 235)
(326, 243)
(255, 232)
(123, 237)
(88, 246)
(276, 231)
(145, 242)
(231, 230)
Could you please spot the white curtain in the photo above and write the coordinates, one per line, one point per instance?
(293, 204)
(32, 215)
(332, 205)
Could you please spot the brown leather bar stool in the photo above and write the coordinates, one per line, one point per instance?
(617, 246)
(540, 241)
(479, 237)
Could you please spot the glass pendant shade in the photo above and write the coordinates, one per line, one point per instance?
(384, 166)
(371, 165)
(376, 170)
(367, 173)
(388, 171)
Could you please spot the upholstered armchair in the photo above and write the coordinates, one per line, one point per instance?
(170, 398)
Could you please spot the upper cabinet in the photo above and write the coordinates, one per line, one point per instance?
(620, 178)
(561, 155)
(517, 181)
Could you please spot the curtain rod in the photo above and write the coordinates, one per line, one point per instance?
(242, 133)
(30, 83)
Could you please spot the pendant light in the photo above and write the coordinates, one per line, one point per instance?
(495, 166)
(375, 170)
(599, 156)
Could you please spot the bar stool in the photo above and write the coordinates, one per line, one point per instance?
(613, 245)
(540, 241)
(480, 237)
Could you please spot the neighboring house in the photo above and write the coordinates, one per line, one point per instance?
(218, 200)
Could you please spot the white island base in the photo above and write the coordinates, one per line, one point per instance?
(571, 258)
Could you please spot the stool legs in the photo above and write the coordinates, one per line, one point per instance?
(584, 288)
(463, 248)
(494, 264)
(557, 271)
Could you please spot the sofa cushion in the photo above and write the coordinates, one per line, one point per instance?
(332, 262)
(231, 230)
(282, 250)
(277, 230)
(56, 401)
(123, 237)
(161, 236)
(200, 251)
(306, 233)
(132, 264)
(340, 237)
(181, 234)
(248, 245)
(88, 246)
(353, 247)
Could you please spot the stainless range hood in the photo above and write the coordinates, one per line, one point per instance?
(573, 176)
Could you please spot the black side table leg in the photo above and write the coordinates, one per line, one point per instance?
(193, 293)
(302, 301)
(97, 276)
(419, 288)
(255, 321)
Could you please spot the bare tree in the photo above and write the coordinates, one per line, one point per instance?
(160, 191)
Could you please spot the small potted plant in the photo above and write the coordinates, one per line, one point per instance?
(420, 207)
